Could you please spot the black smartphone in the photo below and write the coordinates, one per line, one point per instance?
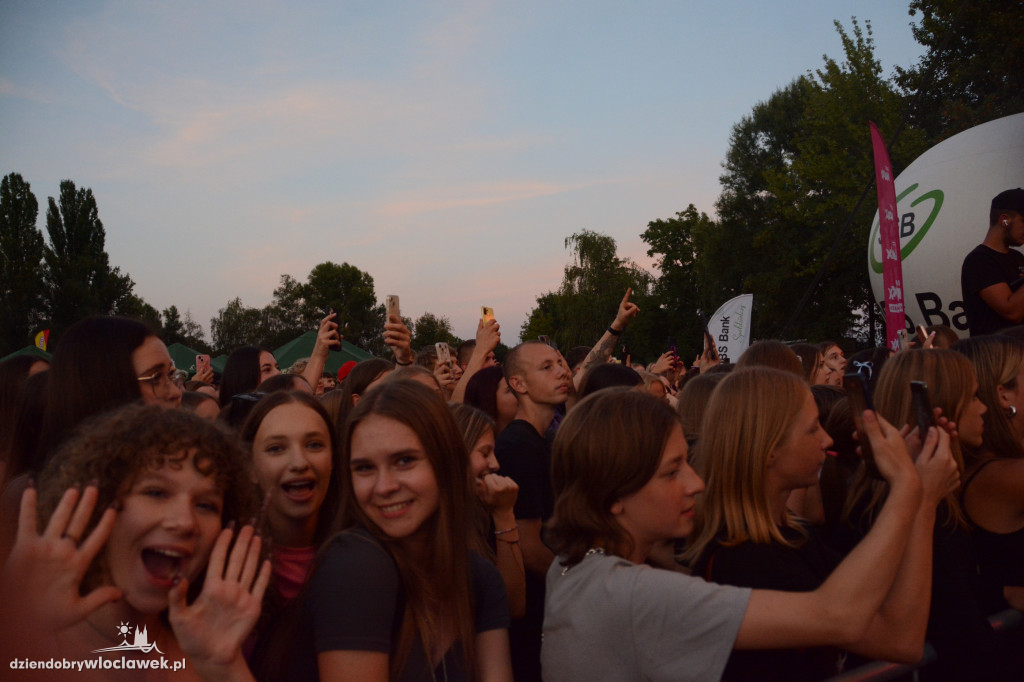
(335, 345)
(922, 407)
(709, 342)
(859, 394)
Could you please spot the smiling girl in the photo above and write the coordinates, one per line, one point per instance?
(174, 478)
(399, 595)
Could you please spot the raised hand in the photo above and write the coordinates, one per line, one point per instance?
(212, 629)
(398, 338)
(939, 472)
(627, 311)
(40, 582)
(497, 492)
(891, 455)
(488, 336)
(664, 363)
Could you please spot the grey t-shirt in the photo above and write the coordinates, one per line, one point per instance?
(609, 619)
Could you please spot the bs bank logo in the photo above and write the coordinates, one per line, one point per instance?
(140, 641)
(915, 221)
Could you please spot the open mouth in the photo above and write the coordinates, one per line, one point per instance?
(299, 491)
(163, 565)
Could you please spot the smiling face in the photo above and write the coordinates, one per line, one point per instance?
(291, 456)
(482, 460)
(169, 520)
(663, 508)
(392, 479)
(796, 462)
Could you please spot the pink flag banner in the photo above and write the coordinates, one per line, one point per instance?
(892, 268)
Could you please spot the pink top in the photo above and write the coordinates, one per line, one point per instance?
(291, 569)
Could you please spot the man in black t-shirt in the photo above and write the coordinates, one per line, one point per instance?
(993, 272)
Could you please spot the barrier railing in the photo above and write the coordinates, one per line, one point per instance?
(880, 671)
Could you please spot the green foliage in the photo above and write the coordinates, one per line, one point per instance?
(237, 325)
(429, 329)
(184, 331)
(22, 288)
(973, 70)
(80, 281)
(585, 304)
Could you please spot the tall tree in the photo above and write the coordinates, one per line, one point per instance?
(349, 291)
(237, 325)
(429, 329)
(973, 70)
(22, 287)
(592, 287)
(78, 273)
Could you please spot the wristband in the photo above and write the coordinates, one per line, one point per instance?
(403, 364)
(507, 530)
(613, 332)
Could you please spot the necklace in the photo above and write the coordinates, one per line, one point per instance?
(590, 552)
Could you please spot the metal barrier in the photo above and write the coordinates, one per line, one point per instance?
(879, 671)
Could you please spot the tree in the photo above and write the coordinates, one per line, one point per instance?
(79, 278)
(691, 260)
(592, 287)
(22, 287)
(429, 329)
(973, 70)
(184, 331)
(236, 326)
(133, 306)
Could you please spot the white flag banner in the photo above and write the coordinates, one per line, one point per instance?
(730, 327)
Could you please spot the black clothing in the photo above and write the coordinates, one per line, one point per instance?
(356, 600)
(525, 457)
(982, 268)
(774, 566)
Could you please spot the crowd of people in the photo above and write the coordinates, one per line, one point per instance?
(557, 517)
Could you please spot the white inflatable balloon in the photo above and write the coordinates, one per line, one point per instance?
(943, 199)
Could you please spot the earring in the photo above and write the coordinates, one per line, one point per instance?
(1011, 412)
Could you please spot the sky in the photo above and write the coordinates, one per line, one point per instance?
(447, 148)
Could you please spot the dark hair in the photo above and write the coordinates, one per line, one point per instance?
(837, 473)
(446, 578)
(771, 353)
(693, 400)
(13, 373)
(810, 358)
(576, 356)
(241, 373)
(332, 501)
(281, 382)
(190, 400)
(482, 390)
(606, 375)
(26, 426)
(869, 362)
(465, 351)
(608, 446)
(92, 372)
(114, 448)
(944, 336)
(355, 384)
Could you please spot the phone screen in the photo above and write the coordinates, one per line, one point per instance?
(859, 394)
(922, 407)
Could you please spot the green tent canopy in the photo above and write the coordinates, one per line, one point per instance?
(30, 350)
(185, 358)
(302, 347)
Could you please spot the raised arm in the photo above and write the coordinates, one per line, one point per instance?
(398, 338)
(842, 609)
(897, 632)
(488, 336)
(326, 338)
(602, 350)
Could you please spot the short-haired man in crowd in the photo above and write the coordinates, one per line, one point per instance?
(993, 272)
(542, 382)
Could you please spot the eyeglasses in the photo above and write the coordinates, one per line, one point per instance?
(162, 381)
